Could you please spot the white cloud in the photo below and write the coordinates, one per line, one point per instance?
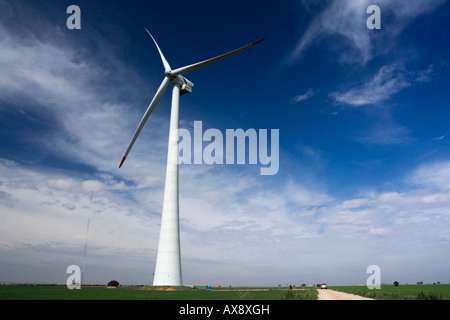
(435, 175)
(353, 203)
(388, 81)
(47, 213)
(309, 94)
(222, 222)
(384, 131)
(345, 22)
(51, 209)
(376, 92)
(92, 185)
(440, 138)
(340, 19)
(91, 123)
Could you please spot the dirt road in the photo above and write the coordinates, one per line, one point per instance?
(327, 294)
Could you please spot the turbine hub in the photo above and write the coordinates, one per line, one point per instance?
(185, 85)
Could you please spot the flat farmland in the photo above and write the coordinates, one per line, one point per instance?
(401, 292)
(46, 292)
(11, 292)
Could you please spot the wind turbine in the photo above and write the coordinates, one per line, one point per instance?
(168, 260)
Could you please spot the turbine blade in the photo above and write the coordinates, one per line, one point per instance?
(201, 64)
(147, 113)
(163, 59)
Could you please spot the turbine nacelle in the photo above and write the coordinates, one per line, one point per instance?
(185, 85)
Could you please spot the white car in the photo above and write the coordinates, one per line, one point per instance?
(323, 286)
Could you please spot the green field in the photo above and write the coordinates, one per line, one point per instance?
(402, 292)
(387, 292)
(12, 292)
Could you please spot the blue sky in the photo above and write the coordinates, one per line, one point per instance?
(364, 141)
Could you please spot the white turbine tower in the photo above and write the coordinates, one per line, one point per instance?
(168, 260)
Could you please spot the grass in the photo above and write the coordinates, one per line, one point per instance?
(37, 292)
(387, 292)
(308, 294)
(402, 292)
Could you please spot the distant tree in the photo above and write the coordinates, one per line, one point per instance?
(396, 283)
(113, 283)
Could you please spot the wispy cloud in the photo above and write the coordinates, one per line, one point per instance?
(89, 116)
(388, 81)
(433, 175)
(440, 138)
(309, 94)
(384, 131)
(339, 19)
(345, 22)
